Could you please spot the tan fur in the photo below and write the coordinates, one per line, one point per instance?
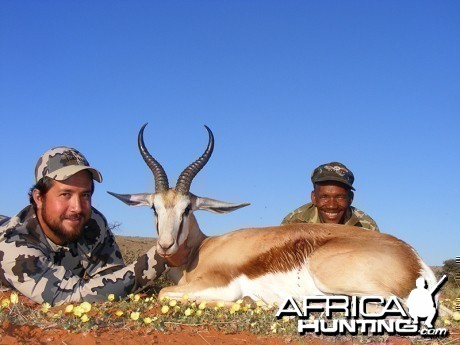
(342, 259)
(169, 198)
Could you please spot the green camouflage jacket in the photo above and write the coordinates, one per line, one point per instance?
(88, 269)
(308, 213)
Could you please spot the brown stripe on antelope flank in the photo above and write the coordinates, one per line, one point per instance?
(285, 257)
(254, 252)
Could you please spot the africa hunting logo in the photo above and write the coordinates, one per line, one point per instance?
(352, 315)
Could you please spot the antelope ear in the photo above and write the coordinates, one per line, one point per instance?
(216, 206)
(141, 199)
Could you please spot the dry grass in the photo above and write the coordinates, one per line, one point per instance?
(146, 311)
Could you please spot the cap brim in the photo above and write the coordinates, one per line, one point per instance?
(325, 179)
(68, 171)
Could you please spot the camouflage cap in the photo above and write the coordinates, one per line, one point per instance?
(333, 171)
(62, 162)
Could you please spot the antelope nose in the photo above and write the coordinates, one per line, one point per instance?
(166, 245)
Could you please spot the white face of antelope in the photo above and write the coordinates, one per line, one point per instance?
(172, 212)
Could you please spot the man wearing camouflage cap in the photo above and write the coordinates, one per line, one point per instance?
(59, 249)
(331, 200)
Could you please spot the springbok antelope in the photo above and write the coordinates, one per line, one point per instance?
(271, 263)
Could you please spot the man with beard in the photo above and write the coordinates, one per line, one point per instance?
(331, 200)
(59, 249)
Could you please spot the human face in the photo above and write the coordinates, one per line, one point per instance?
(66, 208)
(332, 201)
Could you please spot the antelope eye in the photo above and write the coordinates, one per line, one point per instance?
(187, 210)
(154, 210)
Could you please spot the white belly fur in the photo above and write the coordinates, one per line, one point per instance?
(276, 287)
(269, 288)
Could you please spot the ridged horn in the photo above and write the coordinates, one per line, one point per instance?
(161, 180)
(185, 179)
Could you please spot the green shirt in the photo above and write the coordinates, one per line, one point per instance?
(308, 213)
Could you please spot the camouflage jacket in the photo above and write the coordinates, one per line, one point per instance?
(308, 213)
(88, 269)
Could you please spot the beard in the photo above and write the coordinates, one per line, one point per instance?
(58, 228)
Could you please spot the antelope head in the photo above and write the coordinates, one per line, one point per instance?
(173, 207)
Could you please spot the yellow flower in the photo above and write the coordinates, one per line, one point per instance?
(185, 297)
(5, 303)
(137, 297)
(188, 312)
(84, 318)
(235, 307)
(111, 297)
(164, 298)
(456, 316)
(45, 307)
(172, 303)
(135, 315)
(14, 298)
(202, 305)
(240, 301)
(220, 304)
(199, 312)
(285, 318)
(69, 308)
(259, 303)
(85, 306)
(119, 313)
(147, 320)
(164, 309)
(78, 311)
(446, 322)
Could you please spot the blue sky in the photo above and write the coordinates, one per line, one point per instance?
(284, 85)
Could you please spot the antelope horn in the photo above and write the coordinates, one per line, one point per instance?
(161, 180)
(186, 177)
